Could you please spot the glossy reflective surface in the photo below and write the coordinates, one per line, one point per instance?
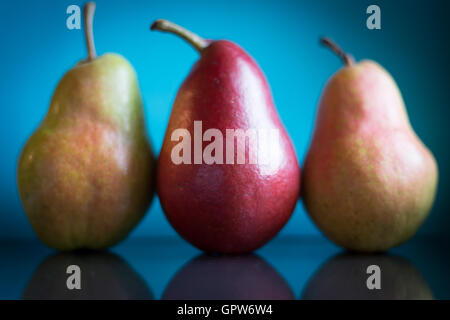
(169, 268)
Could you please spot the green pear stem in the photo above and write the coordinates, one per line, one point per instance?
(166, 26)
(348, 59)
(89, 10)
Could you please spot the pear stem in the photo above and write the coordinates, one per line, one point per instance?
(89, 10)
(166, 26)
(348, 59)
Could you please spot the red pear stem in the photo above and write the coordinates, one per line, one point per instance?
(348, 59)
(89, 10)
(166, 26)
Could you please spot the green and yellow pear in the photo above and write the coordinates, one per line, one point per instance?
(369, 181)
(85, 176)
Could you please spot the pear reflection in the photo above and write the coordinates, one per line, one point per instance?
(345, 277)
(104, 275)
(227, 277)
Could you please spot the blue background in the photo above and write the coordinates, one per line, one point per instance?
(282, 36)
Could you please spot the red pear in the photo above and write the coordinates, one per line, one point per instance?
(210, 196)
(229, 277)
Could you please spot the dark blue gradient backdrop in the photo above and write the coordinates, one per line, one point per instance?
(37, 48)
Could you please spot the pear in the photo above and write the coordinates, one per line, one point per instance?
(228, 277)
(221, 202)
(369, 181)
(345, 277)
(85, 176)
(103, 276)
